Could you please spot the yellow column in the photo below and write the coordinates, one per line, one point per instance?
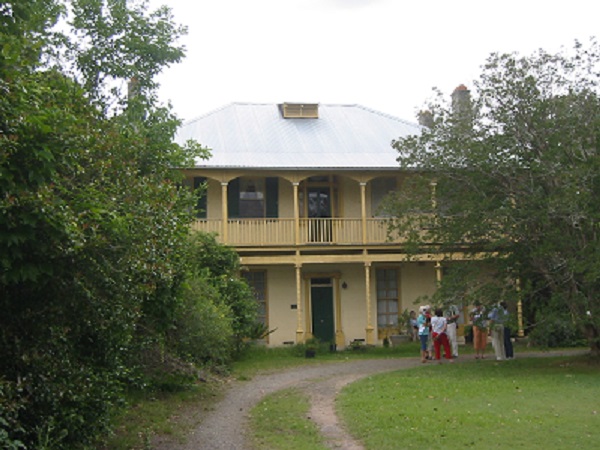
(370, 328)
(224, 211)
(521, 331)
(296, 214)
(299, 305)
(433, 185)
(363, 210)
(438, 273)
(340, 339)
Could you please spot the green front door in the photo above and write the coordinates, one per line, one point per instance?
(321, 297)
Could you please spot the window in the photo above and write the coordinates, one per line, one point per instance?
(387, 298)
(380, 188)
(257, 280)
(253, 197)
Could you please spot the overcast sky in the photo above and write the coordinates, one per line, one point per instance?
(386, 55)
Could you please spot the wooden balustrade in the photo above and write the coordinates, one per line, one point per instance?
(281, 232)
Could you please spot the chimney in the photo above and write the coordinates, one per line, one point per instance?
(425, 118)
(461, 99)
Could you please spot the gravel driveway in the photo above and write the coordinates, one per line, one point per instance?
(225, 427)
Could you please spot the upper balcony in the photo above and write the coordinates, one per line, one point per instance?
(304, 232)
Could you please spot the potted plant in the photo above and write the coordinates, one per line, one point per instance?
(310, 347)
(404, 329)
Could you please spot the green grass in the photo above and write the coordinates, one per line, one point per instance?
(261, 359)
(174, 414)
(550, 403)
(280, 421)
(169, 414)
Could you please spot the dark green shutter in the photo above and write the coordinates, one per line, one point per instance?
(272, 197)
(233, 199)
(201, 204)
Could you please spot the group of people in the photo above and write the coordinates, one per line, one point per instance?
(438, 330)
(494, 324)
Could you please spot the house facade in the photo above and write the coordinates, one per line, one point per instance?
(297, 190)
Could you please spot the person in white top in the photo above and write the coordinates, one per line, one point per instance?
(440, 338)
(496, 325)
(452, 314)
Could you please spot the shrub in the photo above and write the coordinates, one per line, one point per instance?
(204, 326)
(557, 331)
(10, 428)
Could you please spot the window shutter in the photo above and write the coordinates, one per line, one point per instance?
(272, 197)
(233, 199)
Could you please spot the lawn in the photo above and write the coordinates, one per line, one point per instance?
(524, 402)
(550, 403)
(260, 359)
(281, 421)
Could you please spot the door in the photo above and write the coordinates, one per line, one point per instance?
(319, 211)
(321, 301)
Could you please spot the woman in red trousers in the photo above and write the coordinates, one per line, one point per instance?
(440, 338)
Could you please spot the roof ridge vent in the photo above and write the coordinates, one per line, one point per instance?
(300, 110)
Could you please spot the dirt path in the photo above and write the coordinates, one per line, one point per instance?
(226, 426)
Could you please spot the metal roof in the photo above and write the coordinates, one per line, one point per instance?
(256, 136)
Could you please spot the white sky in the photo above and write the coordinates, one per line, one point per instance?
(386, 55)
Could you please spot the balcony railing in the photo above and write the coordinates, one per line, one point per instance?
(282, 232)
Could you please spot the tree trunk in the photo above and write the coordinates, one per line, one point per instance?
(593, 336)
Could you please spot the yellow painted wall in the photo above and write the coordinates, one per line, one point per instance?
(281, 291)
(349, 198)
(354, 305)
(417, 279)
(286, 199)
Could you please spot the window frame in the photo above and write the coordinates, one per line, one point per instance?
(394, 326)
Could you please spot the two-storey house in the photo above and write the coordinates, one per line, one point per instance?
(296, 189)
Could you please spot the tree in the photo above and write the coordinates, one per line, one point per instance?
(512, 172)
(94, 222)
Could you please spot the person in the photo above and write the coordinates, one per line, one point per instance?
(440, 338)
(496, 329)
(413, 326)
(423, 323)
(508, 346)
(452, 314)
(429, 341)
(478, 321)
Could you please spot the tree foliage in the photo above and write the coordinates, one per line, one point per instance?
(219, 310)
(221, 266)
(94, 221)
(513, 172)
